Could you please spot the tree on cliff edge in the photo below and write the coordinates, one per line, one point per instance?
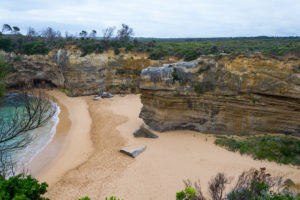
(125, 33)
(6, 27)
(108, 33)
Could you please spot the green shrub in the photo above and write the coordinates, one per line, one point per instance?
(34, 48)
(186, 48)
(281, 149)
(64, 90)
(87, 49)
(190, 191)
(251, 185)
(90, 46)
(20, 187)
(188, 194)
(175, 76)
(128, 47)
(112, 198)
(117, 51)
(156, 54)
(6, 44)
(191, 54)
(84, 198)
(257, 184)
(180, 195)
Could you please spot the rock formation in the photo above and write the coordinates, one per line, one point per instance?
(133, 152)
(245, 94)
(144, 131)
(81, 75)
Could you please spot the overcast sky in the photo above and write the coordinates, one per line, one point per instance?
(159, 18)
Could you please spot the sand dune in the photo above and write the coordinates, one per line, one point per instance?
(89, 162)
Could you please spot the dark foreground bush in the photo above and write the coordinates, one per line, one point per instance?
(251, 185)
(281, 149)
(22, 188)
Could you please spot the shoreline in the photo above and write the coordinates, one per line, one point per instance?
(89, 162)
(39, 142)
(50, 151)
(62, 153)
(53, 132)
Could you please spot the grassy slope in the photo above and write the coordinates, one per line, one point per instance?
(281, 149)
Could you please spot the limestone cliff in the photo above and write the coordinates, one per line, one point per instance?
(231, 95)
(66, 68)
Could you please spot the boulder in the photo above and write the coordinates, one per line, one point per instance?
(133, 152)
(96, 98)
(106, 95)
(144, 131)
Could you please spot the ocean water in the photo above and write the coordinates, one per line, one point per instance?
(42, 135)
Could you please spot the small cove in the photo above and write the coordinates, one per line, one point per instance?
(41, 137)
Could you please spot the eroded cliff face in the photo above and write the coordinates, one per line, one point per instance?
(240, 95)
(66, 68)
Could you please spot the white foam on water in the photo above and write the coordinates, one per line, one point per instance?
(42, 137)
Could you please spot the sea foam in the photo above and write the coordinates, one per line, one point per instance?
(42, 137)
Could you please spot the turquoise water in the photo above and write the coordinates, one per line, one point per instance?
(41, 136)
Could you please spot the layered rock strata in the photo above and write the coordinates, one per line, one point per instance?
(240, 95)
(81, 75)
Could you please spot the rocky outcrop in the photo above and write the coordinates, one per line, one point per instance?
(34, 70)
(144, 131)
(230, 95)
(242, 94)
(81, 75)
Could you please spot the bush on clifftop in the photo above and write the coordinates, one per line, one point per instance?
(183, 48)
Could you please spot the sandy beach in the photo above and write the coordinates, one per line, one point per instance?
(71, 144)
(84, 159)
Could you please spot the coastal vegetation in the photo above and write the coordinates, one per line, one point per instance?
(280, 149)
(251, 185)
(4, 69)
(41, 42)
(31, 110)
(21, 187)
